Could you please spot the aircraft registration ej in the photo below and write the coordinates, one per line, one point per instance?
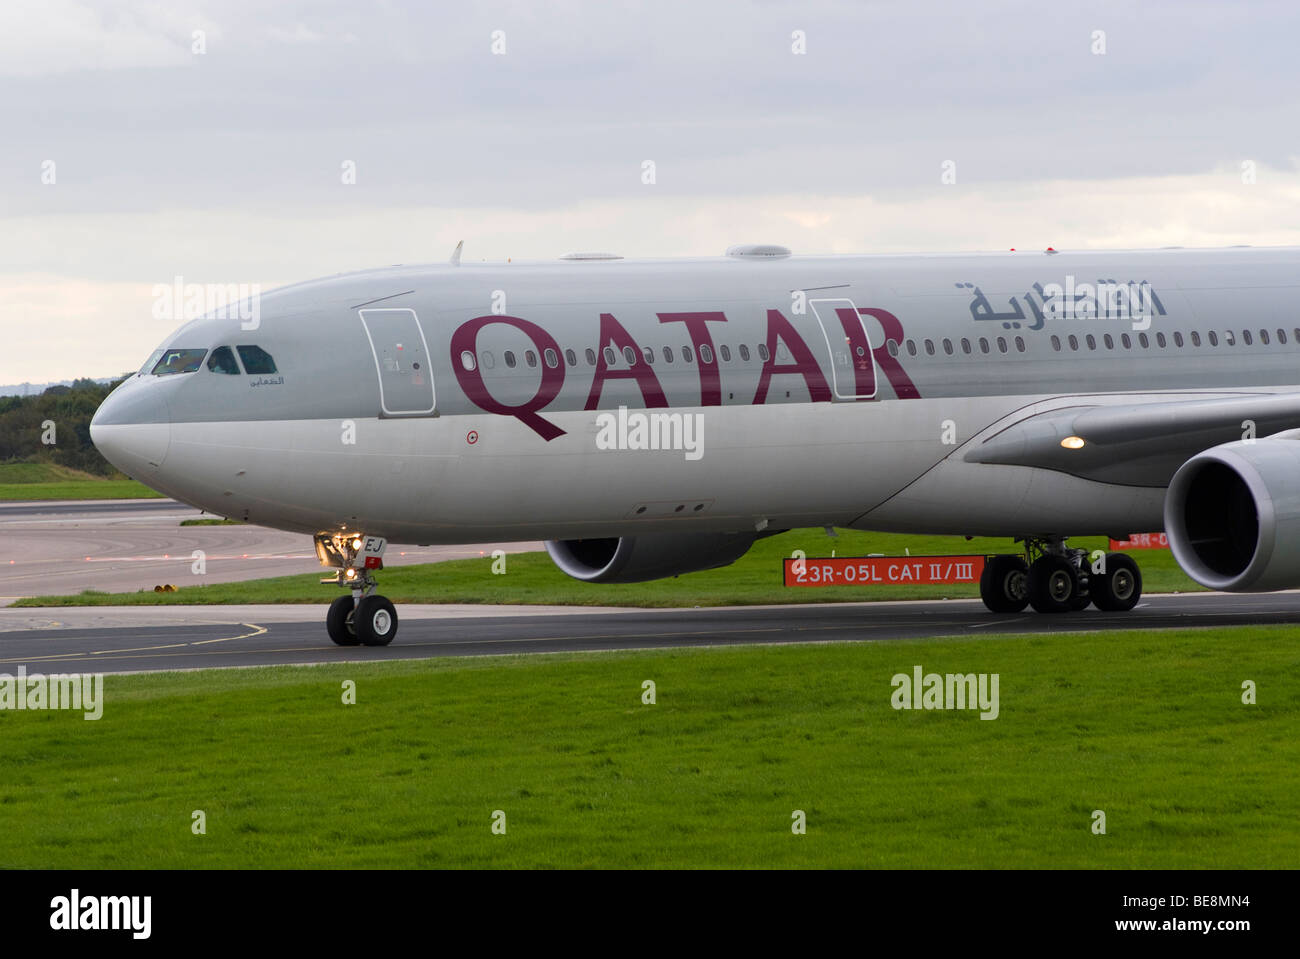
(882, 570)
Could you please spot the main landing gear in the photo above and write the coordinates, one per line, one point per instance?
(363, 618)
(1053, 578)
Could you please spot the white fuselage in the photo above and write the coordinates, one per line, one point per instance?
(475, 403)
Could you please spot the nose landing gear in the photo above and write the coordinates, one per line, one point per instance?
(364, 617)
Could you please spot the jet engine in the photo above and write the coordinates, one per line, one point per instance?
(1232, 514)
(633, 559)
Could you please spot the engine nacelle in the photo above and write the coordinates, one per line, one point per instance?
(1232, 514)
(633, 559)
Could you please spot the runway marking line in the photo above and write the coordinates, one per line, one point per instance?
(255, 631)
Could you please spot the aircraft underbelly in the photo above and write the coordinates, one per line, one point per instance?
(480, 477)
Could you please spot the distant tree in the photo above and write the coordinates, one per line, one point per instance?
(71, 409)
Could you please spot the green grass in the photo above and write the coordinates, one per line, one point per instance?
(1146, 726)
(47, 481)
(531, 578)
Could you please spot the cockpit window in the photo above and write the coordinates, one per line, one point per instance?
(222, 360)
(179, 361)
(150, 363)
(256, 359)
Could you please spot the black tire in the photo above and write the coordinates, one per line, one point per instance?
(376, 621)
(338, 622)
(1082, 597)
(1053, 584)
(1119, 588)
(1004, 584)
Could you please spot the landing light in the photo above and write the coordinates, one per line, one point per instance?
(1072, 442)
(356, 544)
(350, 574)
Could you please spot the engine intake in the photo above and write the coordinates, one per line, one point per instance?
(634, 559)
(1232, 514)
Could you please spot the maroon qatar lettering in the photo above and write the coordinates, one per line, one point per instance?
(471, 381)
(779, 330)
(613, 334)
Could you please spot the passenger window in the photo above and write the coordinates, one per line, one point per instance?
(183, 361)
(571, 358)
(1142, 338)
(911, 348)
(530, 357)
(1281, 336)
(686, 354)
(725, 353)
(510, 359)
(1020, 344)
(629, 354)
(929, 347)
(1073, 341)
(649, 354)
(1110, 344)
(947, 346)
(891, 347)
(222, 360)
(1128, 343)
(1196, 338)
(1248, 339)
(1178, 340)
(706, 354)
(1160, 340)
(467, 360)
(744, 353)
(668, 354)
(488, 360)
(1056, 343)
(1214, 338)
(1002, 344)
(984, 345)
(256, 359)
(763, 353)
(1263, 337)
(552, 361)
(965, 345)
(1092, 341)
(610, 356)
(591, 357)
(1229, 338)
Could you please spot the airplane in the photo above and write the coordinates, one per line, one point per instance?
(649, 418)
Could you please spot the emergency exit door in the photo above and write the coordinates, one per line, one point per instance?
(853, 367)
(401, 360)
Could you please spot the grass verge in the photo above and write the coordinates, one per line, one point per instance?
(1147, 727)
(531, 578)
(47, 481)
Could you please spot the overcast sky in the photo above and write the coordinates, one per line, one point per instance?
(1088, 125)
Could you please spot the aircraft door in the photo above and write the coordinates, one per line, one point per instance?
(401, 360)
(853, 367)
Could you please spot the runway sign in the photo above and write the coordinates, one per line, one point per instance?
(1141, 541)
(882, 570)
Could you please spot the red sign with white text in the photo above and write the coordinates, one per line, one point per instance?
(882, 570)
(1141, 541)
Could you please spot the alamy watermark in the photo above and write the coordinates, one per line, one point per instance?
(179, 301)
(81, 691)
(923, 690)
(651, 431)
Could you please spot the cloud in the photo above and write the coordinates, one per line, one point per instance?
(72, 326)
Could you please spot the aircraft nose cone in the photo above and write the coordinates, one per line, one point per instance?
(132, 429)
